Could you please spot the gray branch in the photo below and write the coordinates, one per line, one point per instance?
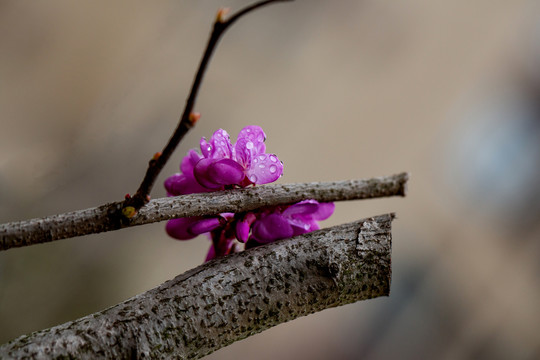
(228, 299)
(100, 219)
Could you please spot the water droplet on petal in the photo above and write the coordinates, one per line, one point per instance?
(261, 166)
(253, 178)
(262, 157)
(261, 138)
(273, 158)
(255, 160)
(273, 169)
(249, 145)
(209, 148)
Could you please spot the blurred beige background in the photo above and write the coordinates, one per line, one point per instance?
(447, 90)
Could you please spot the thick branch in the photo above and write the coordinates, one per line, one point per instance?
(228, 299)
(102, 218)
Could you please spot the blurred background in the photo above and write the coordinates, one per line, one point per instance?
(446, 90)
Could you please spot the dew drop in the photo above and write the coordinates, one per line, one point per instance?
(261, 166)
(255, 160)
(253, 178)
(262, 157)
(209, 148)
(273, 158)
(261, 138)
(273, 169)
(249, 145)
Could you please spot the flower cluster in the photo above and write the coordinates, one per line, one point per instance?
(222, 165)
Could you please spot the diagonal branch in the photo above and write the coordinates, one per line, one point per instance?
(188, 119)
(100, 219)
(226, 300)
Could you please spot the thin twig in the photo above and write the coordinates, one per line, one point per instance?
(187, 120)
(98, 219)
(228, 299)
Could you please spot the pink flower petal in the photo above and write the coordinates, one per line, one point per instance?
(243, 226)
(173, 184)
(180, 184)
(303, 226)
(221, 145)
(265, 168)
(243, 152)
(242, 231)
(270, 228)
(204, 225)
(325, 211)
(179, 228)
(256, 136)
(201, 174)
(206, 148)
(225, 172)
(303, 208)
(189, 162)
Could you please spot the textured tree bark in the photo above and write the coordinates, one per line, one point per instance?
(229, 299)
(100, 219)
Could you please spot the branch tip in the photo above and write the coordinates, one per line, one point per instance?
(222, 12)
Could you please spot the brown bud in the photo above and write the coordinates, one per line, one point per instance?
(193, 117)
(222, 12)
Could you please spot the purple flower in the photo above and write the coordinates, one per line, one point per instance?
(185, 182)
(228, 231)
(223, 240)
(243, 226)
(190, 227)
(296, 219)
(242, 164)
(222, 165)
(223, 243)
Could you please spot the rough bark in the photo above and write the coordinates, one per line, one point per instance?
(100, 219)
(229, 299)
